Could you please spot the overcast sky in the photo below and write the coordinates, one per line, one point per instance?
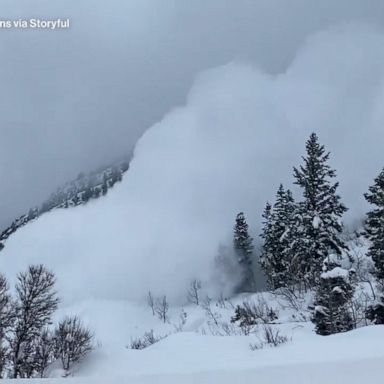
(74, 99)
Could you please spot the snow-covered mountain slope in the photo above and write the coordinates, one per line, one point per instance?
(75, 192)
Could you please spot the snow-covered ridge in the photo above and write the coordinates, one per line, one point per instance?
(73, 193)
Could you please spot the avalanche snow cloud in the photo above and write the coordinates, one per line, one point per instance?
(237, 137)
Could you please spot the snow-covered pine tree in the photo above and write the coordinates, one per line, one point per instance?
(243, 247)
(332, 303)
(284, 215)
(374, 231)
(33, 213)
(319, 214)
(269, 244)
(374, 225)
(276, 256)
(104, 186)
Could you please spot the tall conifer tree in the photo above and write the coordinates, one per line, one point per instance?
(332, 303)
(319, 214)
(374, 230)
(243, 247)
(375, 225)
(276, 254)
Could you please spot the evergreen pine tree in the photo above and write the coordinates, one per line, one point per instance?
(277, 229)
(242, 243)
(318, 226)
(374, 231)
(87, 193)
(332, 302)
(374, 225)
(33, 213)
(104, 186)
(269, 244)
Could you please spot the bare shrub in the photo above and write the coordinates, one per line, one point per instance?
(182, 321)
(44, 352)
(256, 346)
(146, 340)
(296, 299)
(36, 300)
(244, 320)
(193, 295)
(212, 315)
(161, 309)
(222, 301)
(73, 341)
(272, 336)
(364, 268)
(269, 337)
(228, 329)
(359, 307)
(6, 319)
(151, 302)
(249, 315)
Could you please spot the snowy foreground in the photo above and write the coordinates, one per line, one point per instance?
(190, 356)
(351, 372)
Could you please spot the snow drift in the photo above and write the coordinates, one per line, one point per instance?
(225, 151)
